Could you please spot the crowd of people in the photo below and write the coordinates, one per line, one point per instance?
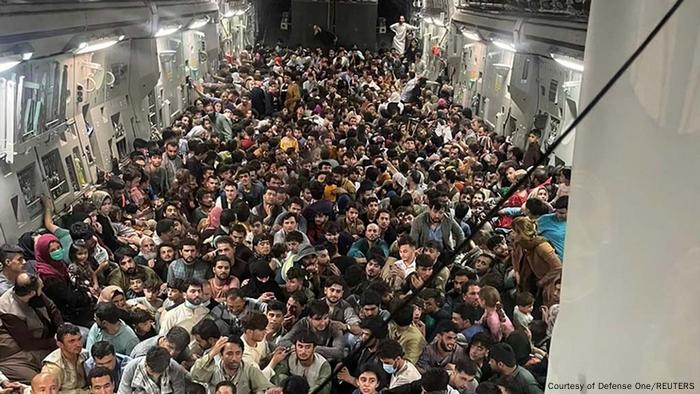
(315, 222)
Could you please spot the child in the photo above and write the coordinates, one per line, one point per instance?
(81, 273)
(150, 301)
(176, 296)
(136, 285)
(522, 313)
(494, 319)
(143, 324)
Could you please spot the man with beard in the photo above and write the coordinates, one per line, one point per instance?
(268, 210)
(29, 321)
(205, 200)
(108, 327)
(342, 315)
(360, 248)
(437, 225)
(329, 340)
(222, 280)
(296, 277)
(188, 266)
(454, 295)
(124, 257)
(171, 162)
(242, 253)
(373, 331)
(444, 349)
(305, 362)
(467, 318)
(190, 312)
(225, 363)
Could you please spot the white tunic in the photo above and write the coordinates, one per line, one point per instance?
(401, 29)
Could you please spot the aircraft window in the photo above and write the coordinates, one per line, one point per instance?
(553, 90)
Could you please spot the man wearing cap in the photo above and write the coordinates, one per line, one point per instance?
(11, 265)
(503, 364)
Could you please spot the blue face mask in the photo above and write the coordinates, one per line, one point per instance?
(390, 369)
(56, 255)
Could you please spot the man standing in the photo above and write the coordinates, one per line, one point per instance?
(400, 30)
(67, 363)
(533, 152)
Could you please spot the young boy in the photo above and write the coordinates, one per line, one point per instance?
(150, 301)
(144, 324)
(522, 317)
(136, 284)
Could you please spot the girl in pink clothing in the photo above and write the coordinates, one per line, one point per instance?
(494, 319)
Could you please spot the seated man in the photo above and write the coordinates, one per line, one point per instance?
(401, 370)
(228, 315)
(503, 364)
(225, 363)
(330, 342)
(256, 348)
(103, 356)
(189, 313)
(108, 327)
(124, 257)
(342, 315)
(67, 363)
(444, 350)
(305, 362)
(157, 372)
(29, 321)
(44, 383)
(175, 342)
(100, 381)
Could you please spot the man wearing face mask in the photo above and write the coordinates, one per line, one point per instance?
(29, 321)
(189, 313)
(401, 370)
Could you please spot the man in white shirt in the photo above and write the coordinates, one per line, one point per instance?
(256, 348)
(190, 312)
(401, 29)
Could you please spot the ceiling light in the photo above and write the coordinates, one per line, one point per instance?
(8, 63)
(568, 62)
(27, 55)
(167, 30)
(471, 35)
(438, 22)
(197, 23)
(95, 45)
(505, 45)
(428, 20)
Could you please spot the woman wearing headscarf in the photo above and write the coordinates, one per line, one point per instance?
(26, 243)
(76, 304)
(533, 258)
(262, 281)
(103, 203)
